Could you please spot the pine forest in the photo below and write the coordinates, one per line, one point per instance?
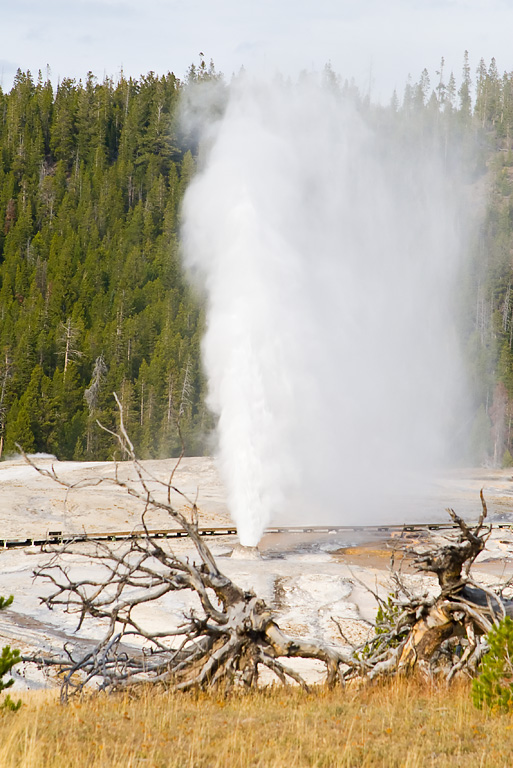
(93, 297)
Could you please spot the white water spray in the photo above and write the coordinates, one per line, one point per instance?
(328, 253)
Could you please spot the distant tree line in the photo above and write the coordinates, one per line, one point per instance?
(93, 298)
(487, 298)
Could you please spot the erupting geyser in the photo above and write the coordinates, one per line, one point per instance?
(328, 251)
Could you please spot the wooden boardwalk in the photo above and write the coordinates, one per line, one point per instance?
(61, 537)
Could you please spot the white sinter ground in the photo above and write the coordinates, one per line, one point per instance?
(305, 579)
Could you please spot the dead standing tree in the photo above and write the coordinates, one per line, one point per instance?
(223, 641)
(443, 633)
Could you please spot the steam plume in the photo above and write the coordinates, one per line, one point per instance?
(328, 252)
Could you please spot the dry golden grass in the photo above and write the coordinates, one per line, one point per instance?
(403, 723)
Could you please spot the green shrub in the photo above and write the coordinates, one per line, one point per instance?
(494, 686)
(385, 632)
(507, 459)
(386, 617)
(8, 659)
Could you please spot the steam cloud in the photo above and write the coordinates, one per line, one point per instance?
(328, 251)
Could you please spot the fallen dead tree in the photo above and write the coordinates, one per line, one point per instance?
(223, 641)
(230, 634)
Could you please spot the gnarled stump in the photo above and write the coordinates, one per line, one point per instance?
(427, 635)
(444, 633)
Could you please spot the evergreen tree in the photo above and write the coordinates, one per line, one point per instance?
(91, 179)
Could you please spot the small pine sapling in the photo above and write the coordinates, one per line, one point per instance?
(8, 658)
(494, 685)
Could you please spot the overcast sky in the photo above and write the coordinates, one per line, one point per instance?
(375, 41)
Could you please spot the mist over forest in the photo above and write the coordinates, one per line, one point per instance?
(93, 294)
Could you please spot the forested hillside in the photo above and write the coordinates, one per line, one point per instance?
(92, 294)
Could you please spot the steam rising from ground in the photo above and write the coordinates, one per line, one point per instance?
(328, 251)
